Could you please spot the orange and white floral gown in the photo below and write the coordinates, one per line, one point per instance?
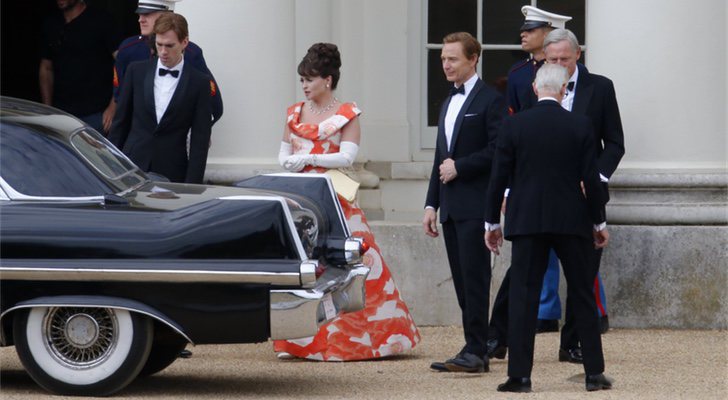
(384, 327)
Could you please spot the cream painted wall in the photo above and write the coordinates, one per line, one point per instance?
(253, 48)
(249, 47)
(667, 59)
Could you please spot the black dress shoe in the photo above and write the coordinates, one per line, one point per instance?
(467, 362)
(597, 382)
(518, 385)
(185, 354)
(547, 325)
(495, 349)
(603, 324)
(571, 355)
(439, 366)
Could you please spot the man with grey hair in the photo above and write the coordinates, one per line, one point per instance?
(594, 96)
(545, 154)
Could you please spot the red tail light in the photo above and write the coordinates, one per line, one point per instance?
(364, 247)
(320, 268)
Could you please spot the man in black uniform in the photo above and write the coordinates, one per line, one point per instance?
(77, 59)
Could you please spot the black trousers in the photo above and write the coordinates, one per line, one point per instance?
(499, 317)
(529, 262)
(470, 268)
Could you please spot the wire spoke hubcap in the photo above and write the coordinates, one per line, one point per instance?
(80, 337)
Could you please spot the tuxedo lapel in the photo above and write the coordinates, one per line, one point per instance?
(177, 97)
(459, 120)
(149, 90)
(584, 91)
(441, 140)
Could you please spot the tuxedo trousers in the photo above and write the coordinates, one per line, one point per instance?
(470, 268)
(498, 329)
(529, 261)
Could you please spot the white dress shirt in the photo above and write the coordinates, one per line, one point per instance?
(567, 102)
(164, 87)
(453, 109)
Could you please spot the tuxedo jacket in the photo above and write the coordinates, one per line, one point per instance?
(162, 147)
(471, 147)
(595, 98)
(545, 152)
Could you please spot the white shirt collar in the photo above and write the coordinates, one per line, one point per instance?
(574, 77)
(469, 84)
(547, 98)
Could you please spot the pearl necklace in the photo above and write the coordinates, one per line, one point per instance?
(323, 110)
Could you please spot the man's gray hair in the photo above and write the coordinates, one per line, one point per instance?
(558, 35)
(551, 78)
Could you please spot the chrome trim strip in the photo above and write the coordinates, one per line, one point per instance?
(148, 314)
(148, 275)
(339, 211)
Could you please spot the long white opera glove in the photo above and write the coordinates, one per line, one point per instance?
(284, 152)
(344, 158)
(293, 163)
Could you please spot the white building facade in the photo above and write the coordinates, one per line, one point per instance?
(668, 61)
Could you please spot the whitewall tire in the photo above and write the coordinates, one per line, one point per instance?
(82, 350)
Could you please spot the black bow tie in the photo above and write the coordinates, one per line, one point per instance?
(455, 90)
(570, 86)
(163, 72)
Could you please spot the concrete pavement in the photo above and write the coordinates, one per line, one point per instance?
(645, 364)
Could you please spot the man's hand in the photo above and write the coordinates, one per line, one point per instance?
(108, 115)
(494, 240)
(429, 223)
(448, 171)
(601, 239)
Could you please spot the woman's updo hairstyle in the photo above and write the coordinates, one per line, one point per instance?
(322, 59)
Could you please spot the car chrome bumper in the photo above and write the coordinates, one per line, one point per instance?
(299, 313)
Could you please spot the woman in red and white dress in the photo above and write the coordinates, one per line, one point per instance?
(323, 133)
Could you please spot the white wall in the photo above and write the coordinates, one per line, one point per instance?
(667, 59)
(249, 47)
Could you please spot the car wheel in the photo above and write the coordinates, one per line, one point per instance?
(81, 350)
(165, 350)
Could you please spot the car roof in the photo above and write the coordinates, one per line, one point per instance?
(28, 113)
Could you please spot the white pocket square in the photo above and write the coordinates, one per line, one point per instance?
(470, 115)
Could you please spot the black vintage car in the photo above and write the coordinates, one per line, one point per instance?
(106, 274)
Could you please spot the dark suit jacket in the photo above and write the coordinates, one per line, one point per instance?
(544, 153)
(472, 145)
(162, 148)
(595, 98)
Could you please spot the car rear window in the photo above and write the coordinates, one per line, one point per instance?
(36, 164)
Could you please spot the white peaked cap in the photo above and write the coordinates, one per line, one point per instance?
(536, 18)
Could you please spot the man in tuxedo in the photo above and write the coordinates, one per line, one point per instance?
(141, 48)
(591, 95)
(161, 100)
(469, 120)
(594, 96)
(548, 155)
